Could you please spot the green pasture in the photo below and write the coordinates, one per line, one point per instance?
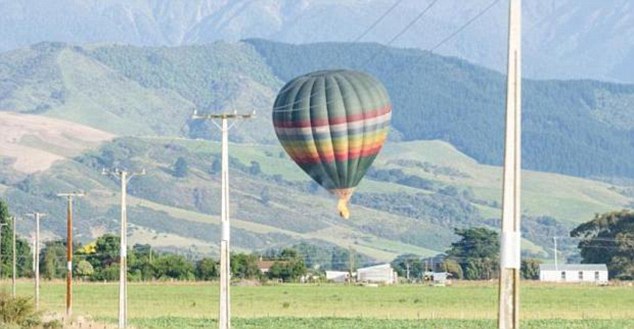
(368, 323)
(462, 305)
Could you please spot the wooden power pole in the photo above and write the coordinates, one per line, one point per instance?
(224, 315)
(69, 249)
(508, 315)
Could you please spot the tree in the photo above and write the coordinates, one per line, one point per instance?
(181, 167)
(289, 266)
(408, 266)
(609, 239)
(206, 269)
(216, 166)
(254, 169)
(105, 259)
(23, 248)
(174, 267)
(530, 269)
(140, 262)
(244, 266)
(52, 258)
(452, 266)
(6, 242)
(477, 252)
(83, 269)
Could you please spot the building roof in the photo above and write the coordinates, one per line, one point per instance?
(265, 264)
(375, 267)
(573, 267)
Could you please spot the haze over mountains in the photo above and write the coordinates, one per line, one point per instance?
(562, 38)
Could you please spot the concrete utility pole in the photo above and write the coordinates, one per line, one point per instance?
(69, 249)
(36, 258)
(351, 263)
(555, 241)
(14, 272)
(224, 316)
(508, 316)
(123, 253)
(1, 226)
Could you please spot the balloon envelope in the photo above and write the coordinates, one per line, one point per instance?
(333, 124)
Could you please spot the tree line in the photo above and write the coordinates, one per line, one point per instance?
(606, 239)
(99, 261)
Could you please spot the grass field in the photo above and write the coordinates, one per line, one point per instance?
(463, 305)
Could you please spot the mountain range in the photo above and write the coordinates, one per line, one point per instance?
(562, 38)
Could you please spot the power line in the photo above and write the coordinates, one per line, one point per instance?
(412, 22)
(394, 38)
(464, 26)
(400, 33)
(376, 22)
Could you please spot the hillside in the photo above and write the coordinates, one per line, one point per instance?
(32, 143)
(562, 38)
(567, 125)
(137, 91)
(130, 108)
(152, 91)
(273, 203)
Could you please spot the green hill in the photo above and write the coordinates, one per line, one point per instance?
(418, 192)
(567, 125)
(416, 195)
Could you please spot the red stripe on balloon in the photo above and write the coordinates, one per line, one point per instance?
(338, 156)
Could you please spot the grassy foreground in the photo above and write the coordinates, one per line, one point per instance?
(464, 305)
(359, 323)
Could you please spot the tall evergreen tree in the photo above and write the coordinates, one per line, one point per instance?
(609, 239)
(23, 249)
(477, 252)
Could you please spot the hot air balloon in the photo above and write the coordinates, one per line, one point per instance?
(333, 124)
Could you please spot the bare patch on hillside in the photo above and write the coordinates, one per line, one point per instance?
(34, 142)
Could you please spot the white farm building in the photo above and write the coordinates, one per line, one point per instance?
(377, 274)
(594, 273)
(337, 276)
(383, 273)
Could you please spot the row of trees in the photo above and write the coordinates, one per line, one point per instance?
(474, 257)
(608, 239)
(99, 261)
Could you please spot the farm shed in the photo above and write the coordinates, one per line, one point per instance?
(596, 273)
(337, 276)
(377, 274)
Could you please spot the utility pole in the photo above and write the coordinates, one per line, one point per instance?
(407, 270)
(224, 316)
(1, 226)
(36, 257)
(14, 272)
(555, 241)
(508, 315)
(123, 251)
(69, 249)
(351, 261)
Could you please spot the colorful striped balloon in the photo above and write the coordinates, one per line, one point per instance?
(333, 124)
